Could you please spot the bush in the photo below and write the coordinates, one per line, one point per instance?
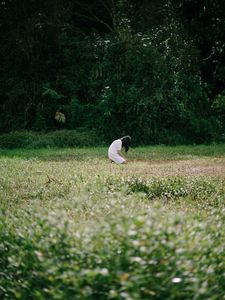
(17, 139)
(60, 138)
(73, 138)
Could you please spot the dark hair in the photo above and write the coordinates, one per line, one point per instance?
(126, 142)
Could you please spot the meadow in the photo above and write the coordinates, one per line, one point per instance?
(75, 226)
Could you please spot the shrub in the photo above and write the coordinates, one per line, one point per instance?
(74, 138)
(17, 139)
(60, 138)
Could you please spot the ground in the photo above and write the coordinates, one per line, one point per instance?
(197, 166)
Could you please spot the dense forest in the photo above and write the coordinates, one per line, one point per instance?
(153, 69)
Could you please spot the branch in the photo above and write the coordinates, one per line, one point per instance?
(52, 179)
(94, 16)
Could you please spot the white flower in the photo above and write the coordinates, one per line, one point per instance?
(176, 280)
(104, 272)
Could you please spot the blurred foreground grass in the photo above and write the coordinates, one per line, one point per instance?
(74, 226)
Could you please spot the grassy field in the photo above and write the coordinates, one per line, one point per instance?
(75, 226)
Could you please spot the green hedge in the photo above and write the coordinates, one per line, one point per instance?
(60, 138)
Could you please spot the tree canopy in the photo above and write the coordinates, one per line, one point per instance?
(151, 69)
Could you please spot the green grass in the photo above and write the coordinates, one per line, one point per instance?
(74, 226)
(140, 153)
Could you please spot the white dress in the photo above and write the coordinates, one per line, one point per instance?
(113, 152)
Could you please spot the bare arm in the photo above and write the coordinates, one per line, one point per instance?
(119, 152)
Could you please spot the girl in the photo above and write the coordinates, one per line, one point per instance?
(114, 153)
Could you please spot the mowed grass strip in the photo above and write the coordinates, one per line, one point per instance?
(138, 153)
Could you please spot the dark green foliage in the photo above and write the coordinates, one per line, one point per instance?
(151, 69)
(74, 138)
(16, 140)
(60, 138)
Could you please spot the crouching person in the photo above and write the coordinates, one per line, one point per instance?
(114, 152)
